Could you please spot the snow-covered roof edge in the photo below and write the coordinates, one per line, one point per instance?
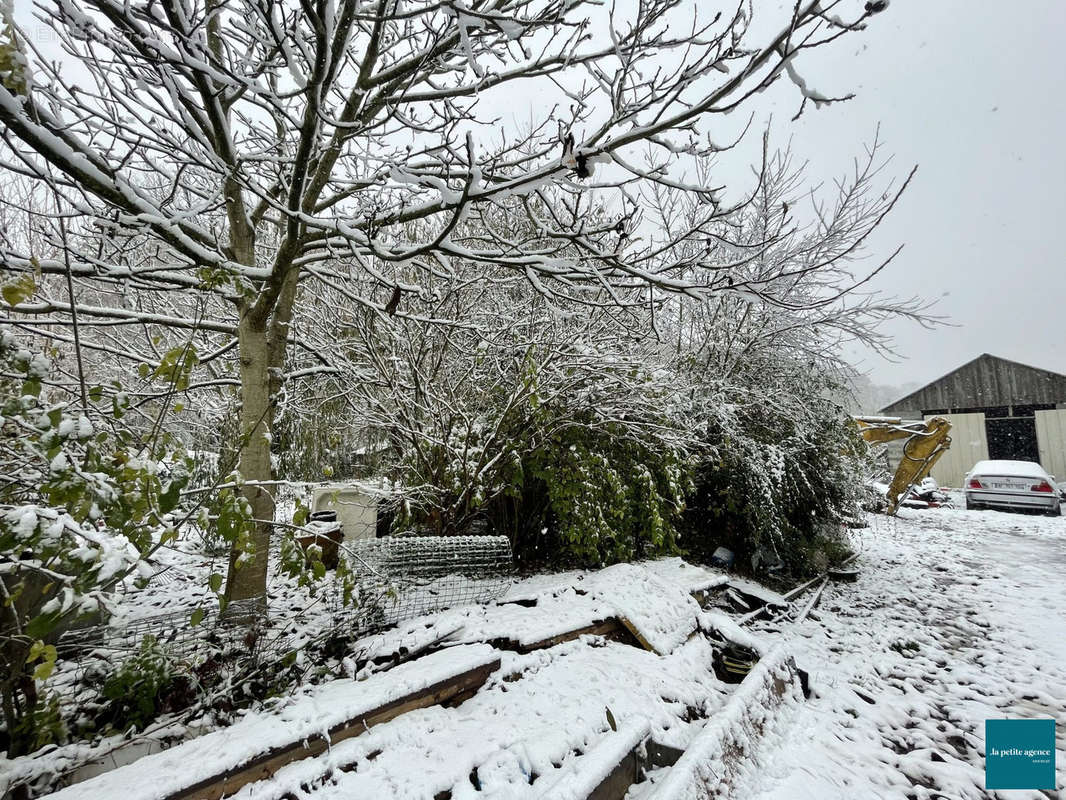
(900, 404)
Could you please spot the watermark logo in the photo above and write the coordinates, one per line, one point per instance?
(1020, 754)
(43, 34)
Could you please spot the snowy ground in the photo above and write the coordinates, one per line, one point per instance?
(538, 715)
(958, 617)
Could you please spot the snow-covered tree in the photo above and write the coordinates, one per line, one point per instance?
(223, 157)
(459, 409)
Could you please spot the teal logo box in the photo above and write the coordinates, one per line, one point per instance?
(1020, 754)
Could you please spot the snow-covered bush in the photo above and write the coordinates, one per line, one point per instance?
(598, 492)
(553, 427)
(776, 481)
(143, 686)
(82, 502)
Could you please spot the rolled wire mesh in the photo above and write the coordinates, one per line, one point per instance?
(403, 577)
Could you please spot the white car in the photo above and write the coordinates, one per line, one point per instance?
(1012, 485)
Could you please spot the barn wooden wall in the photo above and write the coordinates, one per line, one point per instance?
(1051, 438)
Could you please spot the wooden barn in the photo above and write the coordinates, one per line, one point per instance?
(998, 409)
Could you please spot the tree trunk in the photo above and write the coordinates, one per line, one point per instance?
(262, 341)
(247, 579)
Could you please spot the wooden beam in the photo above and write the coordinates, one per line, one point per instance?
(640, 638)
(607, 770)
(263, 767)
(610, 628)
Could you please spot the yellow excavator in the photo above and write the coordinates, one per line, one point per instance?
(925, 443)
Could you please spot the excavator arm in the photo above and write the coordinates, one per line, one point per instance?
(925, 442)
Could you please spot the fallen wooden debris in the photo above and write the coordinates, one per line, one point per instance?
(610, 628)
(756, 595)
(813, 601)
(703, 596)
(256, 747)
(738, 600)
(607, 770)
(845, 574)
(792, 594)
(718, 753)
(635, 632)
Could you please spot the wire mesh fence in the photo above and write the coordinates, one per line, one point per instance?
(229, 662)
(392, 579)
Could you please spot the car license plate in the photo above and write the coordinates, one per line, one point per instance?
(1007, 485)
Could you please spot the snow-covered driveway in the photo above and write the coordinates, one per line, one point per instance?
(957, 617)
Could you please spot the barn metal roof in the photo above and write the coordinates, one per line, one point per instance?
(986, 381)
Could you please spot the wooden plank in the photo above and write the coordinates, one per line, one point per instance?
(1051, 441)
(732, 736)
(813, 601)
(846, 574)
(263, 767)
(616, 785)
(611, 628)
(607, 770)
(635, 632)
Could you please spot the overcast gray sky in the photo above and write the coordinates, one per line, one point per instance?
(972, 92)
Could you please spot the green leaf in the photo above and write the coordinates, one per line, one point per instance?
(96, 393)
(299, 517)
(41, 625)
(177, 364)
(214, 580)
(36, 651)
(168, 500)
(197, 617)
(19, 289)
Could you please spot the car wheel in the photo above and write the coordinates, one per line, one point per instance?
(1055, 512)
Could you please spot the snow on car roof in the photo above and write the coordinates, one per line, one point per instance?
(1023, 469)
